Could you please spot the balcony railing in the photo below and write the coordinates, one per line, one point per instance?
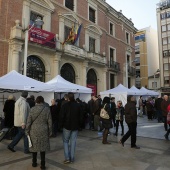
(114, 65)
(131, 71)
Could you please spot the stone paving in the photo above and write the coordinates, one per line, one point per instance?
(91, 154)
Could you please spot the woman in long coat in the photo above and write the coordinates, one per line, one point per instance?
(106, 123)
(39, 127)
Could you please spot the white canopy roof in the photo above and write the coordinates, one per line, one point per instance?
(62, 85)
(119, 89)
(137, 91)
(15, 81)
(148, 92)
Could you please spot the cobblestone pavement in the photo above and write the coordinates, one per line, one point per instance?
(91, 154)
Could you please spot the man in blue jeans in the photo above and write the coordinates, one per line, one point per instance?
(20, 118)
(71, 117)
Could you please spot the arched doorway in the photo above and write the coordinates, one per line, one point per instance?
(92, 81)
(35, 68)
(68, 73)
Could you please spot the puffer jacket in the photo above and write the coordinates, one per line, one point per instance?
(130, 112)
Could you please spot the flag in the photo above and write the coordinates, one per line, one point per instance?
(77, 35)
(70, 36)
(74, 34)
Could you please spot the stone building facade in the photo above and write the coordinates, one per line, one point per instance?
(163, 25)
(98, 59)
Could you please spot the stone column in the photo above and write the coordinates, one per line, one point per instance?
(104, 78)
(56, 64)
(61, 28)
(14, 59)
(84, 75)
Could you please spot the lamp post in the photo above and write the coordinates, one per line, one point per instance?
(38, 22)
(158, 71)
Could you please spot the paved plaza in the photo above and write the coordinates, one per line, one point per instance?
(91, 154)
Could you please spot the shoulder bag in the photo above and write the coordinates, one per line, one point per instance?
(103, 113)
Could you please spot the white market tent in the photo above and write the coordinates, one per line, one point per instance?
(63, 86)
(13, 83)
(147, 92)
(137, 91)
(120, 93)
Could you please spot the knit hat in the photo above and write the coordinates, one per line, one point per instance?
(24, 94)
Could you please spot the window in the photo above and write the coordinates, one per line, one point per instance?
(112, 81)
(168, 15)
(165, 53)
(137, 73)
(128, 59)
(35, 16)
(163, 16)
(168, 27)
(68, 73)
(127, 38)
(154, 85)
(163, 28)
(166, 80)
(168, 40)
(166, 66)
(164, 41)
(66, 32)
(111, 29)
(35, 68)
(91, 44)
(92, 14)
(111, 56)
(69, 4)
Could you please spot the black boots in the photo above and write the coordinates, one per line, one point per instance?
(42, 160)
(122, 131)
(34, 159)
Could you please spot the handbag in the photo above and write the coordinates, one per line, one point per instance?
(168, 118)
(28, 136)
(104, 114)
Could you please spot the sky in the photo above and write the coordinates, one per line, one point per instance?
(142, 12)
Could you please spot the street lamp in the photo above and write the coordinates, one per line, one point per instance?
(157, 72)
(38, 22)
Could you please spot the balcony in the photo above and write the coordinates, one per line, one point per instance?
(76, 52)
(131, 71)
(115, 66)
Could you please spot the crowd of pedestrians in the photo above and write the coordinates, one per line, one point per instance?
(34, 117)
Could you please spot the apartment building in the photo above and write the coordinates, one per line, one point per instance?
(146, 58)
(163, 24)
(97, 60)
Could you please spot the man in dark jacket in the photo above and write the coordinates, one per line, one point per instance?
(55, 116)
(70, 120)
(157, 105)
(96, 113)
(164, 106)
(113, 110)
(91, 116)
(131, 120)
